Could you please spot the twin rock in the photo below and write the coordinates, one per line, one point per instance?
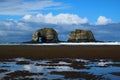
(49, 35)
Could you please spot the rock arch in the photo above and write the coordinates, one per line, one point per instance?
(45, 35)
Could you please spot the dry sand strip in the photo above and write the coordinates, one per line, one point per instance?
(57, 51)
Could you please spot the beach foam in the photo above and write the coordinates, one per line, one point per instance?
(65, 43)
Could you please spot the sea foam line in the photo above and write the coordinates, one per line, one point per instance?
(85, 43)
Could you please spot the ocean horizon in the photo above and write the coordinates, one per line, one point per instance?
(62, 43)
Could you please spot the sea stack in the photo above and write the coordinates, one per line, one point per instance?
(81, 36)
(45, 35)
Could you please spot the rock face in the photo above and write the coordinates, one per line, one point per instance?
(45, 35)
(81, 36)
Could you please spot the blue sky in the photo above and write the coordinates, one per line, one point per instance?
(91, 9)
(20, 18)
(94, 8)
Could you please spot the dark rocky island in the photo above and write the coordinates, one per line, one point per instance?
(45, 35)
(81, 36)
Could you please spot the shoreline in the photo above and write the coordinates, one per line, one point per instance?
(65, 43)
(60, 51)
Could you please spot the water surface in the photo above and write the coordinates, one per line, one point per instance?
(59, 68)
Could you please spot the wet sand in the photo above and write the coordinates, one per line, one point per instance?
(59, 69)
(62, 51)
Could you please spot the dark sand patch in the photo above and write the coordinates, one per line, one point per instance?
(118, 65)
(50, 51)
(18, 74)
(22, 62)
(5, 59)
(79, 65)
(3, 70)
(115, 73)
(50, 64)
(8, 78)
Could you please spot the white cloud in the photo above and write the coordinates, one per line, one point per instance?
(102, 20)
(21, 7)
(13, 25)
(14, 28)
(27, 17)
(57, 19)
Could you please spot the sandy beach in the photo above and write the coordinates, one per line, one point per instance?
(55, 51)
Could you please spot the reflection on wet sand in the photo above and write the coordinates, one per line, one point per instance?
(59, 68)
